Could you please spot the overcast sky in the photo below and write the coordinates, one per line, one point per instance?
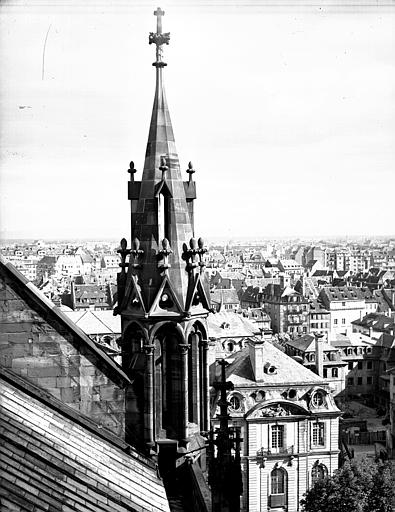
(287, 113)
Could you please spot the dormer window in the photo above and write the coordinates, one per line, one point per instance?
(317, 399)
(235, 402)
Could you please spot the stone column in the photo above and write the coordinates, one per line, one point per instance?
(206, 386)
(183, 347)
(149, 397)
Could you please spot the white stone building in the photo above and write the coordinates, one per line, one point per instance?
(289, 424)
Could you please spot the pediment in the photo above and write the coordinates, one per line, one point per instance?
(281, 408)
(133, 300)
(197, 298)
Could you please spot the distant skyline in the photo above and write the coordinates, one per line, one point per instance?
(286, 110)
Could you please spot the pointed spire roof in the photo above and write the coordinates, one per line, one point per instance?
(160, 208)
(161, 142)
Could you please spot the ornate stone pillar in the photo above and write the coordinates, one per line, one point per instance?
(183, 348)
(149, 397)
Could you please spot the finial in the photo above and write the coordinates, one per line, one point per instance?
(136, 244)
(163, 256)
(123, 244)
(123, 252)
(132, 171)
(190, 170)
(159, 38)
(163, 166)
(137, 253)
(166, 245)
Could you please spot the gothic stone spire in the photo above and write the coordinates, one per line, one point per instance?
(163, 295)
(162, 204)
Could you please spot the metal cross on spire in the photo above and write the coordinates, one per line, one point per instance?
(159, 38)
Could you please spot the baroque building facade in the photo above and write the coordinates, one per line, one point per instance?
(289, 424)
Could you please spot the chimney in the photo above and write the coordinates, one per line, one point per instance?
(319, 354)
(257, 351)
(72, 294)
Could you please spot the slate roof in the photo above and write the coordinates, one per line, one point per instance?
(352, 340)
(323, 273)
(289, 371)
(378, 322)
(226, 324)
(310, 264)
(224, 296)
(252, 294)
(86, 258)
(89, 291)
(341, 293)
(96, 322)
(316, 306)
(306, 343)
(52, 458)
(47, 260)
(288, 263)
(386, 340)
(256, 314)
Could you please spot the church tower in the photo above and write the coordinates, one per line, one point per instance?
(163, 293)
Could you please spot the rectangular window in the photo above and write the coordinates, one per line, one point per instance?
(343, 321)
(325, 373)
(350, 381)
(335, 321)
(350, 366)
(360, 365)
(359, 381)
(317, 434)
(369, 365)
(334, 372)
(369, 380)
(277, 436)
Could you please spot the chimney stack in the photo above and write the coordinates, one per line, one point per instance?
(256, 350)
(319, 354)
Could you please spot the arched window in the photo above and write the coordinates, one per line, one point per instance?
(278, 488)
(278, 481)
(318, 472)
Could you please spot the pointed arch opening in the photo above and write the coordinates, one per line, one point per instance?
(197, 377)
(163, 206)
(134, 363)
(168, 383)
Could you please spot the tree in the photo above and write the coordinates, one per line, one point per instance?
(362, 486)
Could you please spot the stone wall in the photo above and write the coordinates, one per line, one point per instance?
(38, 346)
